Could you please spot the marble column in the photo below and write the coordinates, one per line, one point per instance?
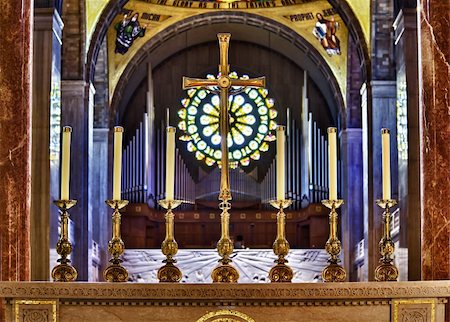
(16, 27)
(405, 28)
(77, 112)
(434, 59)
(379, 113)
(46, 128)
(101, 221)
(352, 193)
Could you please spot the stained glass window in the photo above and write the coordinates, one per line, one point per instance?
(252, 120)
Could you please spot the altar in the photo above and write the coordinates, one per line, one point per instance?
(135, 302)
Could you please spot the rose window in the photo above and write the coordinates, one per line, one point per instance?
(251, 115)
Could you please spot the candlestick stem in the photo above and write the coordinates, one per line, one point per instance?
(115, 272)
(386, 271)
(64, 272)
(169, 247)
(281, 273)
(333, 272)
(224, 272)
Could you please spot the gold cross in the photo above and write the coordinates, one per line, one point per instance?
(224, 82)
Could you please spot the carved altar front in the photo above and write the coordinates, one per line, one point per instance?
(134, 302)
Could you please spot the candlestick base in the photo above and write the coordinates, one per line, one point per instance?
(169, 273)
(224, 272)
(115, 272)
(64, 272)
(386, 271)
(281, 273)
(333, 272)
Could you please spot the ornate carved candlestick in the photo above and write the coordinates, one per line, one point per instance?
(281, 272)
(169, 272)
(115, 272)
(333, 272)
(64, 272)
(224, 272)
(386, 271)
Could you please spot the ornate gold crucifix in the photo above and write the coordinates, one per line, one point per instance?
(224, 273)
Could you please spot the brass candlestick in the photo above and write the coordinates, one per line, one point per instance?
(64, 272)
(386, 271)
(281, 272)
(169, 272)
(333, 272)
(115, 272)
(224, 272)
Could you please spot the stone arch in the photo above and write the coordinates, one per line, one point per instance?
(287, 38)
(114, 7)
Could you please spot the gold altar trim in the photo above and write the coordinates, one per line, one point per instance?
(397, 303)
(224, 314)
(19, 303)
(225, 292)
(214, 303)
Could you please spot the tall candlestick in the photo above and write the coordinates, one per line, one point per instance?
(332, 163)
(117, 169)
(65, 162)
(170, 162)
(386, 162)
(280, 162)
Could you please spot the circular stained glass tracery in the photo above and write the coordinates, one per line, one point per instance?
(252, 118)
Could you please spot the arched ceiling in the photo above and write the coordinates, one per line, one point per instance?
(296, 15)
(95, 9)
(300, 18)
(203, 28)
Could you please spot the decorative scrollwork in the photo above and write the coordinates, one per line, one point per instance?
(64, 273)
(169, 273)
(115, 273)
(334, 273)
(225, 273)
(225, 316)
(281, 273)
(386, 272)
(35, 316)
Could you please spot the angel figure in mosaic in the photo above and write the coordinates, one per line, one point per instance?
(325, 32)
(127, 31)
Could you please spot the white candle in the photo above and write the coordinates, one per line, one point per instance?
(65, 162)
(332, 163)
(386, 162)
(117, 168)
(170, 162)
(280, 162)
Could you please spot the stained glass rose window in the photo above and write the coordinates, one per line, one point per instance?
(252, 120)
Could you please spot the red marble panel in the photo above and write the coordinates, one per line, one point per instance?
(15, 132)
(435, 145)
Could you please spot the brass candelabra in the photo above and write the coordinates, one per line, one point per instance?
(281, 272)
(386, 271)
(169, 272)
(333, 272)
(115, 272)
(64, 271)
